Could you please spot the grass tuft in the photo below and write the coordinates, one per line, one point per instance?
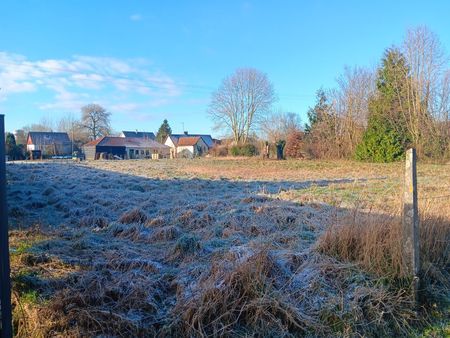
(133, 216)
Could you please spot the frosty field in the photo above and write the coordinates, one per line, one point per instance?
(217, 247)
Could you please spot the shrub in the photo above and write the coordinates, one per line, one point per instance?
(294, 145)
(243, 150)
(219, 151)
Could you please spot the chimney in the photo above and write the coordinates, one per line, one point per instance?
(186, 133)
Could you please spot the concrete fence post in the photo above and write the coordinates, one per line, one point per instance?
(411, 222)
(5, 279)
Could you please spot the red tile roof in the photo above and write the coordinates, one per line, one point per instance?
(94, 142)
(188, 141)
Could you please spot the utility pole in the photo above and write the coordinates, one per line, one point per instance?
(5, 278)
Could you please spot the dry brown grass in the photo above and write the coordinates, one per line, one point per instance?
(374, 243)
(371, 242)
(239, 301)
(252, 295)
(220, 257)
(133, 216)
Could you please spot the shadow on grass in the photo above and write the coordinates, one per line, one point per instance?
(194, 257)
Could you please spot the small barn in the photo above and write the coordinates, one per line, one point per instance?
(49, 143)
(125, 148)
(114, 146)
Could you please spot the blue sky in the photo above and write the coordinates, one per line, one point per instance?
(149, 60)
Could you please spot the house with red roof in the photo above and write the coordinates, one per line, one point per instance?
(188, 146)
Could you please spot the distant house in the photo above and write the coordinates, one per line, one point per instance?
(125, 148)
(189, 145)
(138, 134)
(206, 138)
(49, 143)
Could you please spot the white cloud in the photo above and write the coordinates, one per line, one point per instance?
(81, 79)
(128, 107)
(136, 17)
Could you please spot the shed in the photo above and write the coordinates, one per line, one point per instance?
(49, 143)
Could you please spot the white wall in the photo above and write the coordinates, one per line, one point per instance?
(169, 143)
(185, 151)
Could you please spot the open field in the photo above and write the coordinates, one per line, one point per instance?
(213, 247)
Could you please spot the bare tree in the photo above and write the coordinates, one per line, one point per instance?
(426, 60)
(96, 120)
(44, 124)
(74, 128)
(21, 136)
(277, 126)
(241, 101)
(350, 106)
(338, 119)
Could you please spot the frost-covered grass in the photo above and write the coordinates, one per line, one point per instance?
(215, 247)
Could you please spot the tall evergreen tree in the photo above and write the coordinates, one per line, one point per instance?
(380, 143)
(320, 132)
(386, 136)
(317, 113)
(12, 149)
(10, 144)
(163, 131)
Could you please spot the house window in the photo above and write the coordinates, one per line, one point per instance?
(142, 152)
(147, 152)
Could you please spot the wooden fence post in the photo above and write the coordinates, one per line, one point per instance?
(5, 279)
(411, 222)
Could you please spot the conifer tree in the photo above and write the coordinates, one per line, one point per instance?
(163, 131)
(386, 136)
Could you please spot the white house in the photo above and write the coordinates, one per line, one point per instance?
(186, 146)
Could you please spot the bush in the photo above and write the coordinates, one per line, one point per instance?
(219, 151)
(243, 150)
(294, 145)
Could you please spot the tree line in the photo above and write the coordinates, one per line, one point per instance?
(371, 115)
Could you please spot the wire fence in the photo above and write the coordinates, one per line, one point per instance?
(434, 197)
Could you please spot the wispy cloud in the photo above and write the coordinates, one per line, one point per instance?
(82, 79)
(136, 17)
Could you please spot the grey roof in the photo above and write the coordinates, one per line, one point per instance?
(206, 138)
(139, 134)
(144, 143)
(129, 142)
(48, 137)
